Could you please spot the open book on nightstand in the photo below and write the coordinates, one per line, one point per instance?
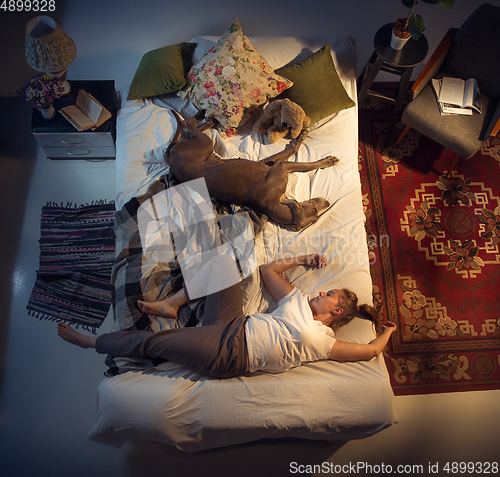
(87, 113)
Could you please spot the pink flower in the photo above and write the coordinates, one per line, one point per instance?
(209, 92)
(255, 93)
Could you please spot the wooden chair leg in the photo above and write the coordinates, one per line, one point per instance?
(403, 134)
(453, 164)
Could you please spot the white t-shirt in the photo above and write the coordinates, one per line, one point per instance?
(288, 337)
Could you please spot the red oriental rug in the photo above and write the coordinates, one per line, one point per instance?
(435, 256)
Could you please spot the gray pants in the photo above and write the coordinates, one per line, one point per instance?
(217, 349)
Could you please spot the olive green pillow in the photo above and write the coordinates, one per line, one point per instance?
(316, 86)
(162, 71)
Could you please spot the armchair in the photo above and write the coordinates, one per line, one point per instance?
(472, 51)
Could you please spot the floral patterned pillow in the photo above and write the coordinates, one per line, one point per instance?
(232, 80)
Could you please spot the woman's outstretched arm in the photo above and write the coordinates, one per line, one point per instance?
(271, 272)
(346, 351)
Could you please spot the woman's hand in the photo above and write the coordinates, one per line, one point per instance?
(389, 326)
(271, 272)
(347, 351)
(315, 260)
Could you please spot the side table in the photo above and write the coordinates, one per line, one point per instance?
(59, 139)
(399, 62)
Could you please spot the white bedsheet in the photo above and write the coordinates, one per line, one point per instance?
(324, 400)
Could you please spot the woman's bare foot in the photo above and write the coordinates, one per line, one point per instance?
(167, 308)
(74, 337)
(158, 308)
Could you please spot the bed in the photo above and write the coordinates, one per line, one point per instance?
(165, 403)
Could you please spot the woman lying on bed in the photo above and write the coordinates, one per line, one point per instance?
(300, 330)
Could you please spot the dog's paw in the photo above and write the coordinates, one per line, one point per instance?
(302, 136)
(329, 161)
(295, 144)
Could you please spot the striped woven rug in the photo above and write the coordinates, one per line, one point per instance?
(73, 283)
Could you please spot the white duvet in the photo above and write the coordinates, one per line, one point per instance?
(323, 400)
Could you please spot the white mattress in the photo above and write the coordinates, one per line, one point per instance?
(324, 400)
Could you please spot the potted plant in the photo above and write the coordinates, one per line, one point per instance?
(413, 24)
(42, 91)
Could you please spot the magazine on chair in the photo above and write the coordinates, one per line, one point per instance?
(457, 96)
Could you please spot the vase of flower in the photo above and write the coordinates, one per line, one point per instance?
(42, 91)
(49, 113)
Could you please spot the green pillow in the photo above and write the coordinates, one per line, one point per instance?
(316, 86)
(162, 71)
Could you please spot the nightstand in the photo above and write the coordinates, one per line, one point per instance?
(59, 139)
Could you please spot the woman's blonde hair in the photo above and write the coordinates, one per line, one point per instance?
(349, 304)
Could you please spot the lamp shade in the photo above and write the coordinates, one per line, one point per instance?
(48, 49)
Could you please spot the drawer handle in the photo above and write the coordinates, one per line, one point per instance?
(73, 141)
(79, 152)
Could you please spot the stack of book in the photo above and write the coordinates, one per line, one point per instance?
(456, 96)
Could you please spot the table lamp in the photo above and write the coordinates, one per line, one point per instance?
(48, 49)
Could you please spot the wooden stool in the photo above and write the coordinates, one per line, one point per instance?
(398, 62)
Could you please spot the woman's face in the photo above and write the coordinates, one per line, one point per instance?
(326, 303)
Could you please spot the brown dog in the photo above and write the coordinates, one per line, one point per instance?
(258, 185)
